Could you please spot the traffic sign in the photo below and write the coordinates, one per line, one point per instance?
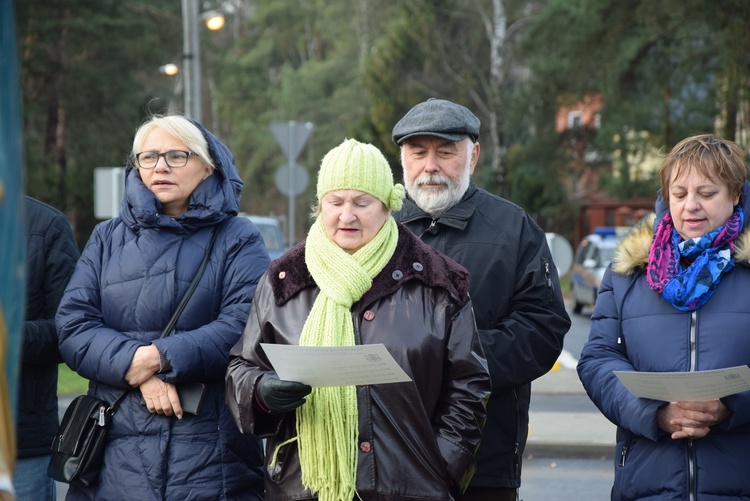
(291, 180)
(562, 252)
(109, 187)
(291, 136)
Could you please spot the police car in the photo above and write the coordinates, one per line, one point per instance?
(592, 257)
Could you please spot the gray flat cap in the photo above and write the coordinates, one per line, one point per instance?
(437, 117)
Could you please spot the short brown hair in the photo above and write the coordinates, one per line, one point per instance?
(711, 156)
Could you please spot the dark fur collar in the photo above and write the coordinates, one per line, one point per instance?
(413, 260)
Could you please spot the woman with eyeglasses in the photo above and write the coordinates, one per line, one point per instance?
(675, 299)
(181, 186)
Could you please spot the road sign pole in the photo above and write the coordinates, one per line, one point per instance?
(292, 147)
(291, 136)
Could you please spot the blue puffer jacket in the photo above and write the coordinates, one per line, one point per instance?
(128, 282)
(633, 328)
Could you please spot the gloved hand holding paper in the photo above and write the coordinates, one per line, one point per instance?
(321, 366)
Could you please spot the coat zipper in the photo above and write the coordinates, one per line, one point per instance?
(625, 447)
(690, 444)
(693, 355)
(432, 225)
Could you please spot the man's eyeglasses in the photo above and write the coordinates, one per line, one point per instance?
(174, 158)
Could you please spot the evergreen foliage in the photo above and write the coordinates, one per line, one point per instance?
(670, 68)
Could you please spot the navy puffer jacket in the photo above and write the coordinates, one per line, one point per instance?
(130, 278)
(635, 329)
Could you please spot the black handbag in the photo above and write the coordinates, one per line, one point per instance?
(78, 448)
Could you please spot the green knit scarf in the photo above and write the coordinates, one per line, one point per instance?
(327, 423)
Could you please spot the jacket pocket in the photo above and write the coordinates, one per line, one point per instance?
(623, 452)
(549, 296)
(622, 467)
(281, 458)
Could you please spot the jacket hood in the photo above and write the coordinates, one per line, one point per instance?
(215, 199)
(632, 253)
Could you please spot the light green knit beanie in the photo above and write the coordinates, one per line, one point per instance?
(359, 166)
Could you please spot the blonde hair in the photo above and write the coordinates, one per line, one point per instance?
(180, 128)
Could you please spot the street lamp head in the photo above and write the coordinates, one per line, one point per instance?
(169, 69)
(214, 20)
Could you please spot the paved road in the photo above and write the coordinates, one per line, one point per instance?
(566, 479)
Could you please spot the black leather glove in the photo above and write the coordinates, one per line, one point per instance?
(279, 396)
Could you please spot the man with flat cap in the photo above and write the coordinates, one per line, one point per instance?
(520, 313)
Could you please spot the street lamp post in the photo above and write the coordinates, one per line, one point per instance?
(191, 60)
(191, 54)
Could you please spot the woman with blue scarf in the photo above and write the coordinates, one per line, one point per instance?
(675, 299)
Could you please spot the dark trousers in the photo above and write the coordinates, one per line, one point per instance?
(490, 494)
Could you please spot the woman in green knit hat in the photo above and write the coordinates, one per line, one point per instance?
(362, 278)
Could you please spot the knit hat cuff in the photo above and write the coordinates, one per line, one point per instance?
(359, 166)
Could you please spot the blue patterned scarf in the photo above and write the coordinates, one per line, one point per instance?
(688, 287)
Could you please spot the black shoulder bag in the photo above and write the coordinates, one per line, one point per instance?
(78, 448)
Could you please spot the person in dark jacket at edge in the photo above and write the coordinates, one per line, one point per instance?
(519, 308)
(181, 186)
(51, 255)
(360, 278)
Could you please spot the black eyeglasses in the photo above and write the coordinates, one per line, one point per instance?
(174, 158)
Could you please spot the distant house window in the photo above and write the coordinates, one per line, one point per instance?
(575, 119)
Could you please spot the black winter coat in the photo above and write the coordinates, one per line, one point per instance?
(413, 436)
(519, 308)
(51, 255)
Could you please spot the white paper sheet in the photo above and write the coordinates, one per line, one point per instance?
(687, 386)
(321, 366)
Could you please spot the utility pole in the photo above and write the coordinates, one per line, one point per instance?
(191, 60)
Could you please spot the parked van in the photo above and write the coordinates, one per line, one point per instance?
(592, 257)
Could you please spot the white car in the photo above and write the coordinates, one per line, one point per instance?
(592, 257)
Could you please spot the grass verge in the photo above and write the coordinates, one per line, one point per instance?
(69, 382)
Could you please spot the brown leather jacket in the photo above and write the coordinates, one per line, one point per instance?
(417, 440)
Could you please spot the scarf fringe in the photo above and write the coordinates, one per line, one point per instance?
(327, 423)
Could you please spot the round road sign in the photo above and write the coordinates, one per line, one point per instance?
(293, 184)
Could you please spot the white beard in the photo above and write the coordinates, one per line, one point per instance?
(436, 201)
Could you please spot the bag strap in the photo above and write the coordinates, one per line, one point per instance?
(116, 403)
(180, 307)
(191, 288)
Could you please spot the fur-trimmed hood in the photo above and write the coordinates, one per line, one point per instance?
(632, 253)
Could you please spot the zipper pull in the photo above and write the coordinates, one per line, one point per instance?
(623, 454)
(546, 274)
(101, 416)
